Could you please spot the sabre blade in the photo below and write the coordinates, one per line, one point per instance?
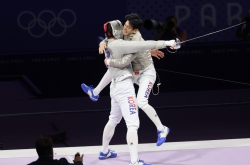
(212, 32)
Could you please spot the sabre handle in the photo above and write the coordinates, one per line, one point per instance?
(178, 44)
(175, 47)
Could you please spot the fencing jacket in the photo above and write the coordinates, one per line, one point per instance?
(118, 48)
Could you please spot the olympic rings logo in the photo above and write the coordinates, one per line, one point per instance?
(42, 23)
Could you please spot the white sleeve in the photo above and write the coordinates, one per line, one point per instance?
(127, 47)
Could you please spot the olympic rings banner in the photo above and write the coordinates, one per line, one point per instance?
(196, 17)
(45, 25)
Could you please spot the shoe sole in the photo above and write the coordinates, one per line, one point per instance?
(93, 99)
(103, 158)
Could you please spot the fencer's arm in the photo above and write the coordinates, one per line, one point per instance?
(127, 47)
(126, 59)
(122, 62)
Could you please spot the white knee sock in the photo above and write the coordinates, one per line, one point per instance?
(108, 133)
(106, 79)
(151, 113)
(132, 140)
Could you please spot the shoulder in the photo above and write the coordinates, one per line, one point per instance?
(111, 42)
(137, 37)
(119, 41)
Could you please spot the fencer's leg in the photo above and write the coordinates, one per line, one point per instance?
(114, 119)
(132, 141)
(106, 79)
(108, 133)
(127, 101)
(146, 82)
(145, 86)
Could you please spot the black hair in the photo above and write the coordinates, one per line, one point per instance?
(134, 20)
(44, 146)
(170, 23)
(168, 19)
(109, 32)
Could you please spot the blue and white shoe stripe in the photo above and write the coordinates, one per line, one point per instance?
(89, 90)
(110, 154)
(162, 136)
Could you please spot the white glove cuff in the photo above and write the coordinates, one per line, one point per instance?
(108, 61)
(169, 43)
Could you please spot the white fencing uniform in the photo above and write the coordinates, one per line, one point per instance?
(144, 76)
(123, 103)
(145, 80)
(123, 98)
(117, 50)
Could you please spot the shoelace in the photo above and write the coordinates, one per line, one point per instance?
(91, 86)
(139, 160)
(159, 133)
(109, 151)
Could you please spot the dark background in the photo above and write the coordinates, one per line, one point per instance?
(205, 85)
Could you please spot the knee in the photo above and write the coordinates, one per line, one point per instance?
(133, 128)
(141, 103)
(135, 124)
(114, 120)
(113, 123)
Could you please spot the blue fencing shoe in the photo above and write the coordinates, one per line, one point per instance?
(110, 154)
(89, 90)
(162, 135)
(139, 162)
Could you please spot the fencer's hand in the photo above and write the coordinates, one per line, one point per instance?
(78, 158)
(176, 46)
(156, 53)
(105, 62)
(102, 48)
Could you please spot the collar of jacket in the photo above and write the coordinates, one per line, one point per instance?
(129, 37)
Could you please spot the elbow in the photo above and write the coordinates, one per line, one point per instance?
(123, 65)
(118, 65)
